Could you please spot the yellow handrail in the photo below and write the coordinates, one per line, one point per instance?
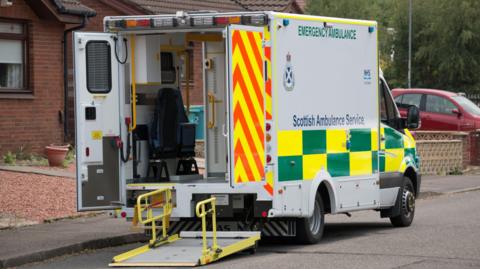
(155, 199)
(202, 213)
(134, 84)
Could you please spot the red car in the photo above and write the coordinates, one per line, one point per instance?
(439, 110)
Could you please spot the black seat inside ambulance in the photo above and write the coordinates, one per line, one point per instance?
(171, 136)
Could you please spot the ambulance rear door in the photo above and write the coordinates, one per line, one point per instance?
(97, 121)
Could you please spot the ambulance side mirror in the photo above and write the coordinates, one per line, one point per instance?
(413, 117)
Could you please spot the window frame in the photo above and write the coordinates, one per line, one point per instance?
(25, 37)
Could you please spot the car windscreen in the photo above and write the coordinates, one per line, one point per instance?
(468, 105)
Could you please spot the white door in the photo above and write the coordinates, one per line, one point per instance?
(97, 121)
(215, 109)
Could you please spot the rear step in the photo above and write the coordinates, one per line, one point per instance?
(188, 249)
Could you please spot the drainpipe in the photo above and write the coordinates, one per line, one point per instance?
(65, 75)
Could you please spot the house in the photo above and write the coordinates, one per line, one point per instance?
(36, 82)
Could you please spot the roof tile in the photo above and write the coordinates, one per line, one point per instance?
(73, 7)
(171, 6)
(268, 5)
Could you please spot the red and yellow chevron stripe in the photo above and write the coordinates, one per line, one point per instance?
(248, 106)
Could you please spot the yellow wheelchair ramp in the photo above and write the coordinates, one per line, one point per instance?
(187, 250)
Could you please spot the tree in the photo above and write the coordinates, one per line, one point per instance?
(379, 10)
(446, 39)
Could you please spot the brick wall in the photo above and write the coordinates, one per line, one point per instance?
(34, 122)
(196, 89)
(475, 147)
(443, 152)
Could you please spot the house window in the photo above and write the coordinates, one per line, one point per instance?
(187, 68)
(13, 40)
(168, 68)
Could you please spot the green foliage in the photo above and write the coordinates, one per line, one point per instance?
(456, 172)
(23, 153)
(70, 158)
(9, 158)
(446, 39)
(23, 156)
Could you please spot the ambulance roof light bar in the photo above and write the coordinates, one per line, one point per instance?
(184, 20)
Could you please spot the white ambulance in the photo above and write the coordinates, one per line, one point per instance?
(299, 123)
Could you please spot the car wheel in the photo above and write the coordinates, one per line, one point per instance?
(310, 230)
(407, 210)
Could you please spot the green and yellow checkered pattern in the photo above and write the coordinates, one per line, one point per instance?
(341, 152)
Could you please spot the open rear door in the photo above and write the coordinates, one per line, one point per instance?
(97, 121)
(246, 104)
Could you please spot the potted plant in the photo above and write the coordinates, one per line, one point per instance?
(56, 154)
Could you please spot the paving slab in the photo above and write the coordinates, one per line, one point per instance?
(34, 170)
(39, 242)
(450, 184)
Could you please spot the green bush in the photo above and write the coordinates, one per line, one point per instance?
(9, 158)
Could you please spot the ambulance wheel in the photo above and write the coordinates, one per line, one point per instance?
(310, 230)
(407, 210)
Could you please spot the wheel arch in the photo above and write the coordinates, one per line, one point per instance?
(323, 185)
(412, 174)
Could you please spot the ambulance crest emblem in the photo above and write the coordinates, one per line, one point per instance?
(288, 76)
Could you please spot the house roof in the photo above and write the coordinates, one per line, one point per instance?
(171, 6)
(272, 5)
(73, 7)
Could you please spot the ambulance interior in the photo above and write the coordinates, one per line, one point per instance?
(163, 144)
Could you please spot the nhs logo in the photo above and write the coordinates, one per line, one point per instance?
(367, 76)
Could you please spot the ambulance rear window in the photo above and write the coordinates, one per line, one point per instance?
(99, 71)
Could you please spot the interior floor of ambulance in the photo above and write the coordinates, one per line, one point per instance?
(164, 140)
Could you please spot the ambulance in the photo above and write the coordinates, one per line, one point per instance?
(300, 123)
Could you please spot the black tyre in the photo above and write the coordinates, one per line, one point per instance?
(310, 230)
(407, 205)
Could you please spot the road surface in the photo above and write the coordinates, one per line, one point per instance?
(445, 234)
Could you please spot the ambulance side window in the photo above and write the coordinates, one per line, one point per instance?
(99, 70)
(387, 107)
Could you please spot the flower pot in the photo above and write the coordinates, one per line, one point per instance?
(56, 155)
(67, 146)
